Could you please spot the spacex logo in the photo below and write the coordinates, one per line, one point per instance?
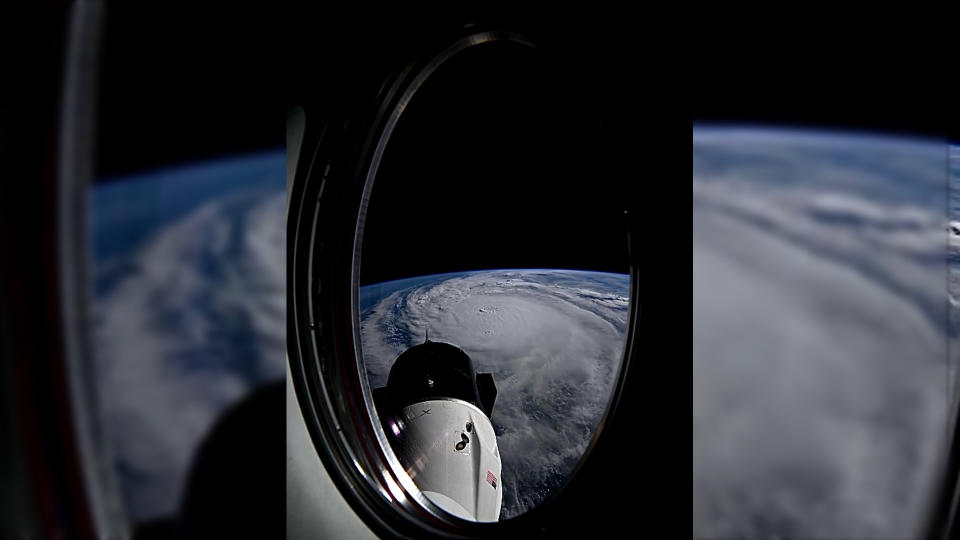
(492, 479)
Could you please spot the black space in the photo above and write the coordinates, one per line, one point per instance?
(827, 77)
(500, 162)
(183, 85)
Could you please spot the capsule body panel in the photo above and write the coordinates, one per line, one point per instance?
(449, 448)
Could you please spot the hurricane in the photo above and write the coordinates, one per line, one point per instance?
(553, 340)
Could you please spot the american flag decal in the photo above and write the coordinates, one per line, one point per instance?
(491, 479)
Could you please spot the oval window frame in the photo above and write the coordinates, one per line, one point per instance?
(332, 183)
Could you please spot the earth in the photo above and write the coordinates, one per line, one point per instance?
(823, 349)
(552, 339)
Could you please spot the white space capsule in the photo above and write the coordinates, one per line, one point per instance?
(436, 411)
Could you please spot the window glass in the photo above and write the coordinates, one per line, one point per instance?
(491, 228)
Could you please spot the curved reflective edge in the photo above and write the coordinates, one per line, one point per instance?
(74, 174)
(397, 473)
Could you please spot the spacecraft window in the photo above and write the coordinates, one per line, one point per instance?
(469, 240)
(431, 232)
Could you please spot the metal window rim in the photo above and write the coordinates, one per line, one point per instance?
(325, 230)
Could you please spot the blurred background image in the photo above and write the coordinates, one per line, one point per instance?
(823, 379)
(188, 311)
(145, 309)
(187, 216)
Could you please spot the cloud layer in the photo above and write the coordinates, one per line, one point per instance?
(194, 322)
(553, 341)
(820, 334)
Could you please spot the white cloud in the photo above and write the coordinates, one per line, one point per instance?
(819, 344)
(198, 322)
